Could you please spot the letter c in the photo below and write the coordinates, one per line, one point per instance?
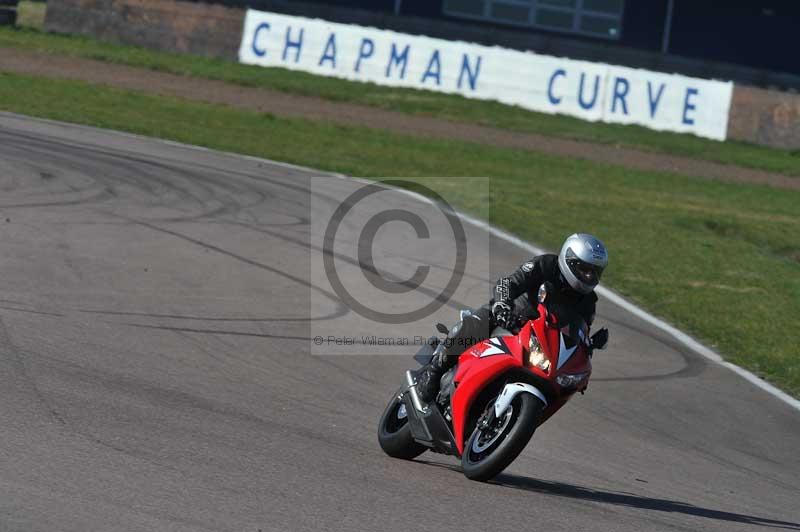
(550, 96)
(260, 52)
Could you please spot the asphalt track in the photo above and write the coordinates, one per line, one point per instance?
(157, 367)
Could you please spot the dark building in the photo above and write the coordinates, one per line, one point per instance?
(745, 41)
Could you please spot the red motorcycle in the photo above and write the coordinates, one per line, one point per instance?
(491, 403)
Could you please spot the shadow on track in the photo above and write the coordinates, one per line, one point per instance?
(561, 489)
(571, 491)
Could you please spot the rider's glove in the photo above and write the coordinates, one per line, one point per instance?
(502, 315)
(599, 339)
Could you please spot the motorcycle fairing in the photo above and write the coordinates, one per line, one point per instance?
(477, 366)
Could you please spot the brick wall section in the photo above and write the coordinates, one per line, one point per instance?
(770, 118)
(195, 28)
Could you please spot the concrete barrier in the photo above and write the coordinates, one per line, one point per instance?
(769, 118)
(194, 28)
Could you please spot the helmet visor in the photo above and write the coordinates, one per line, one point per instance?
(584, 271)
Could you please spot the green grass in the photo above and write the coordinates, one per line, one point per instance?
(719, 260)
(31, 14)
(409, 101)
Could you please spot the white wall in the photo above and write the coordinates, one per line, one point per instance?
(591, 91)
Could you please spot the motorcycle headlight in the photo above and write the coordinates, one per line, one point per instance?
(568, 380)
(536, 356)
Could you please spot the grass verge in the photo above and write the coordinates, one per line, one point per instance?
(409, 101)
(719, 260)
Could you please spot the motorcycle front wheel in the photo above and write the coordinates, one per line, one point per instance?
(492, 448)
(394, 432)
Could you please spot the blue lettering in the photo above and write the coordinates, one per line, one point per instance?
(395, 59)
(557, 73)
(588, 105)
(689, 106)
(289, 43)
(621, 87)
(434, 69)
(365, 51)
(260, 52)
(330, 51)
(472, 76)
(654, 102)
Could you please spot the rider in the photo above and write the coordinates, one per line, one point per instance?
(570, 276)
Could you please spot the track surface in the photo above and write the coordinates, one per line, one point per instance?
(156, 371)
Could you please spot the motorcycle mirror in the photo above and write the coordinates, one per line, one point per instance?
(441, 328)
(599, 340)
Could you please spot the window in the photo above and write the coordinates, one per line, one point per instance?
(510, 12)
(598, 18)
(474, 8)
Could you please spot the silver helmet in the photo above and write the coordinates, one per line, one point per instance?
(582, 260)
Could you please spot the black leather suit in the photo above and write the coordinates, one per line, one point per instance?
(519, 291)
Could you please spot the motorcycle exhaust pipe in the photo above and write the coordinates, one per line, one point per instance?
(412, 391)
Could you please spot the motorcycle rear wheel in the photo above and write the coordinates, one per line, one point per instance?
(490, 450)
(394, 432)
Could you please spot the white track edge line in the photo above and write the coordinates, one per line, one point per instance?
(618, 300)
(194, 147)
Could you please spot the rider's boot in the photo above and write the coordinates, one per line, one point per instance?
(430, 375)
